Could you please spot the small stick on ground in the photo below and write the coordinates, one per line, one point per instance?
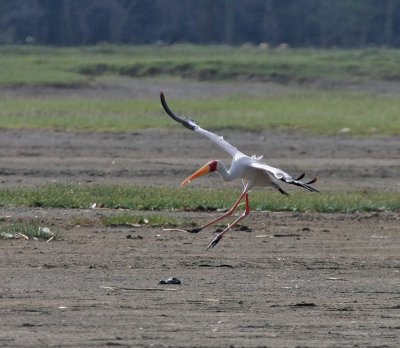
(174, 230)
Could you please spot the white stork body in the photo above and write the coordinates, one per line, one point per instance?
(250, 169)
(241, 167)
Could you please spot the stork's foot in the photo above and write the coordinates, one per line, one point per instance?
(215, 241)
(194, 230)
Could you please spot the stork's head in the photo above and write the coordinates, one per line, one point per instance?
(208, 168)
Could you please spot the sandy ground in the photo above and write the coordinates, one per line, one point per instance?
(293, 280)
(165, 158)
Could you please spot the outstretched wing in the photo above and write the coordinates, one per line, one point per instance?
(190, 124)
(285, 177)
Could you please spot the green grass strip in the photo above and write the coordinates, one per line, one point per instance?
(163, 198)
(312, 111)
(18, 230)
(35, 65)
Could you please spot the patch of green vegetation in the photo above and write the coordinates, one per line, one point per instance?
(312, 111)
(135, 219)
(24, 230)
(79, 114)
(166, 198)
(323, 112)
(35, 65)
(83, 221)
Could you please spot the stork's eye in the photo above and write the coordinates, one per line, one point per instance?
(213, 166)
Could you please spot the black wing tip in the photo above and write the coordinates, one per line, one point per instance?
(172, 114)
(310, 188)
(312, 181)
(284, 192)
(305, 185)
(166, 107)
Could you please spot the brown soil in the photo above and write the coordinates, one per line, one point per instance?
(293, 280)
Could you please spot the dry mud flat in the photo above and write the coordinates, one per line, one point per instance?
(157, 157)
(294, 280)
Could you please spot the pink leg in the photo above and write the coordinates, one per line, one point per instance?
(228, 213)
(221, 234)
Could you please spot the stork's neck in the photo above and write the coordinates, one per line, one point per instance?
(225, 174)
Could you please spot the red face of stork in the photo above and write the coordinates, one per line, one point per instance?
(208, 168)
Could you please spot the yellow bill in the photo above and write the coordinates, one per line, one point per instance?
(203, 170)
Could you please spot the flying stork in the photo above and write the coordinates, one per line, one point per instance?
(250, 169)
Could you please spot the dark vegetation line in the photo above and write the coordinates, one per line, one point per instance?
(305, 23)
